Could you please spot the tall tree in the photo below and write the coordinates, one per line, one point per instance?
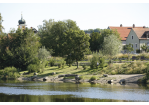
(1, 27)
(77, 43)
(111, 46)
(19, 49)
(95, 41)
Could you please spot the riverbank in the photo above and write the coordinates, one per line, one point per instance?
(122, 79)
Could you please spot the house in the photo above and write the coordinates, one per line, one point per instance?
(123, 31)
(138, 37)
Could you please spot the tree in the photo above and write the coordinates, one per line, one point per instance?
(20, 49)
(128, 49)
(1, 27)
(111, 46)
(77, 43)
(144, 47)
(45, 31)
(95, 41)
(43, 54)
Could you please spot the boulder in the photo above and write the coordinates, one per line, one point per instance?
(45, 78)
(110, 81)
(35, 73)
(53, 73)
(105, 75)
(123, 81)
(76, 77)
(61, 76)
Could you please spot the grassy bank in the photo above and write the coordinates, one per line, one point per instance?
(116, 68)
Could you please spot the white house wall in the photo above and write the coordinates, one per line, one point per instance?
(133, 41)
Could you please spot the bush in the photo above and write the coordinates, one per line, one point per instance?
(81, 77)
(84, 67)
(33, 68)
(94, 61)
(10, 72)
(61, 63)
(52, 62)
(92, 78)
(102, 62)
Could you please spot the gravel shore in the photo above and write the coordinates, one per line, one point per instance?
(121, 78)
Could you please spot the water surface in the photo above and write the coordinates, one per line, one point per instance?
(31, 91)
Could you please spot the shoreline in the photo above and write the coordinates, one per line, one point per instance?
(115, 79)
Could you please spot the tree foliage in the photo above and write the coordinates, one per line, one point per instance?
(1, 27)
(144, 47)
(128, 48)
(111, 45)
(19, 49)
(95, 41)
(77, 43)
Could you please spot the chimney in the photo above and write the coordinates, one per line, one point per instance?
(143, 26)
(133, 25)
(120, 25)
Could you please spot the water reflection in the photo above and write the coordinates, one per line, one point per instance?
(27, 91)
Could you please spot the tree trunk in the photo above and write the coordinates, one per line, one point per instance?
(77, 65)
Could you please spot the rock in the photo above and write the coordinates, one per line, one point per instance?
(123, 81)
(53, 73)
(105, 75)
(35, 73)
(45, 78)
(110, 81)
(76, 77)
(61, 76)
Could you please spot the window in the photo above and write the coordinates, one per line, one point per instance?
(132, 45)
(136, 45)
(131, 37)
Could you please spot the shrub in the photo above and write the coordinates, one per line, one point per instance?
(84, 67)
(69, 62)
(33, 68)
(52, 62)
(10, 72)
(92, 78)
(94, 61)
(61, 63)
(81, 77)
(101, 62)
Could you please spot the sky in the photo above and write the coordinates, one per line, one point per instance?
(86, 15)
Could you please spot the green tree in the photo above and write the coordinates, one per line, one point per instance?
(77, 43)
(111, 46)
(20, 49)
(128, 49)
(95, 41)
(144, 47)
(1, 27)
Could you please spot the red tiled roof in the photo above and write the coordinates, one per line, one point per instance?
(123, 31)
(140, 32)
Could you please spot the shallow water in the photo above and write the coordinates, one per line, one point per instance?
(31, 91)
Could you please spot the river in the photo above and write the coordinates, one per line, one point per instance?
(32, 91)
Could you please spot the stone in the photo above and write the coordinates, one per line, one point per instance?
(53, 73)
(35, 73)
(76, 77)
(123, 81)
(105, 75)
(61, 76)
(45, 78)
(110, 81)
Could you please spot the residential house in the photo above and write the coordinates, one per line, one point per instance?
(123, 31)
(138, 37)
